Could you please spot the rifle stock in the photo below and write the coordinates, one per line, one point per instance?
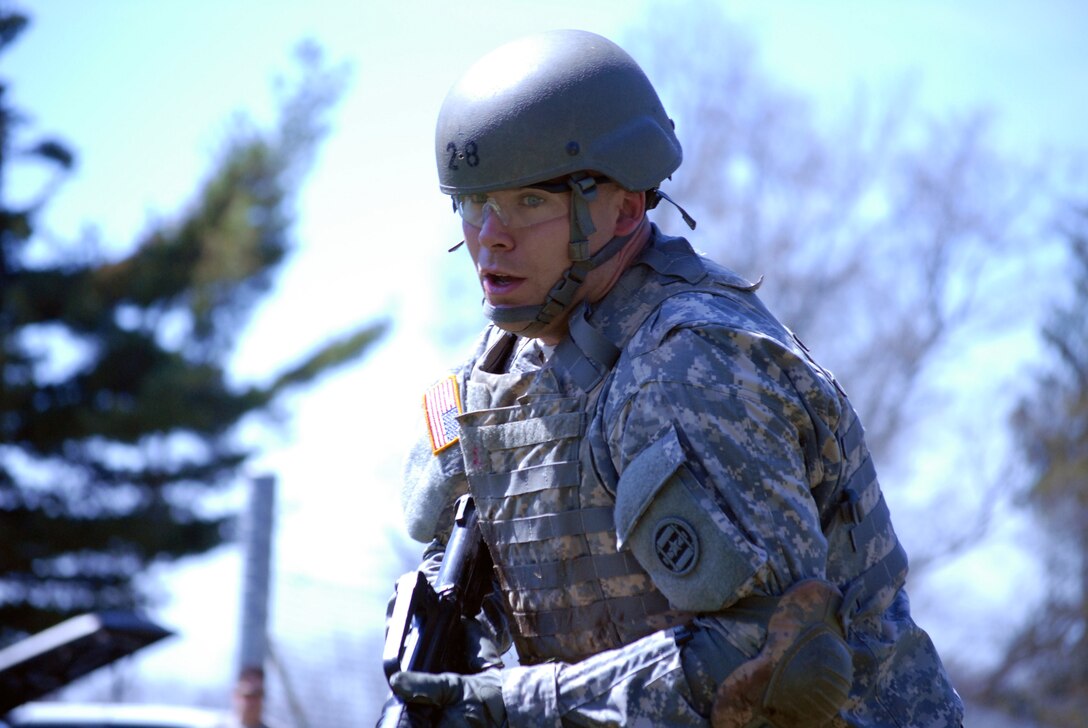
(425, 632)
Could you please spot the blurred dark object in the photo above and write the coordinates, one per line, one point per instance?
(51, 659)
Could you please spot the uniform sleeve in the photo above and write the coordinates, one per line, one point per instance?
(729, 400)
(642, 683)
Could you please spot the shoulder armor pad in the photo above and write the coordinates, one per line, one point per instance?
(694, 554)
(431, 483)
(434, 471)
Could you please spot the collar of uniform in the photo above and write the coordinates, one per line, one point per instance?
(673, 257)
(596, 334)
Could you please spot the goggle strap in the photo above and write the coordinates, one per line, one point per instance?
(583, 191)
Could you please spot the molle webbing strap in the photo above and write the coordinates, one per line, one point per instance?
(864, 526)
(574, 619)
(866, 471)
(527, 480)
(542, 528)
(864, 530)
(562, 574)
(853, 437)
(509, 435)
(586, 355)
(859, 599)
(593, 344)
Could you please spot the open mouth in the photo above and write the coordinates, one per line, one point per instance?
(500, 288)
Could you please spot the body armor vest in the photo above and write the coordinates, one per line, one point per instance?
(548, 520)
(542, 479)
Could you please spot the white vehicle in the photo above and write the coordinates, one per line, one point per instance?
(33, 668)
(100, 715)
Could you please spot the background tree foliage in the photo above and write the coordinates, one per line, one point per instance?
(1044, 673)
(117, 417)
(872, 225)
(894, 241)
(877, 230)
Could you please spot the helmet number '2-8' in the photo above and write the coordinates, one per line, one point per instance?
(561, 111)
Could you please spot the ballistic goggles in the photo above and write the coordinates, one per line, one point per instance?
(518, 208)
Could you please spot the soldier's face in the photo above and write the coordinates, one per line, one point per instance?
(518, 264)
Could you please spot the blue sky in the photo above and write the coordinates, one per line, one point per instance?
(143, 91)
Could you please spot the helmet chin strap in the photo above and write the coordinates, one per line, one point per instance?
(560, 297)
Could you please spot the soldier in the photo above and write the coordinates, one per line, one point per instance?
(685, 521)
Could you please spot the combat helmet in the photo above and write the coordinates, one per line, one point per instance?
(555, 106)
(549, 105)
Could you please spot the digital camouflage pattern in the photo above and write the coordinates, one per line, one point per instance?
(680, 351)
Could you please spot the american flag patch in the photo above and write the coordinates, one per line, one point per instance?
(442, 404)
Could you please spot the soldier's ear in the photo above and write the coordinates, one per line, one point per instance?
(631, 210)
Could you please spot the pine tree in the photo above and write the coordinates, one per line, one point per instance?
(106, 465)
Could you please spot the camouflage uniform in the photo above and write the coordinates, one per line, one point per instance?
(677, 400)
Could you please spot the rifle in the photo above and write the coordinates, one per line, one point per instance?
(425, 632)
